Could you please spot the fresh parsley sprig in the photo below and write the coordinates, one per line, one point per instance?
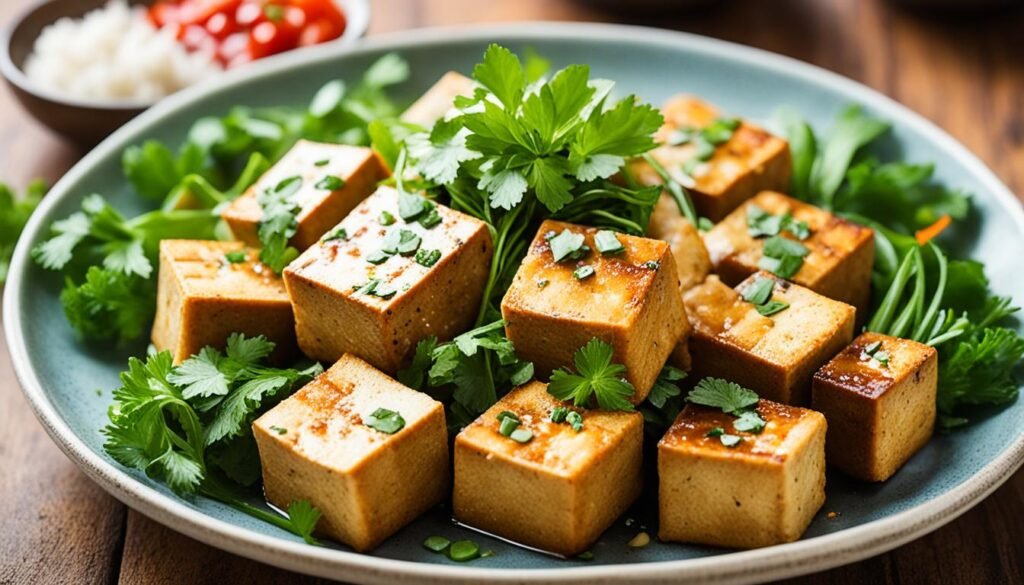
(180, 424)
(732, 399)
(596, 377)
(473, 370)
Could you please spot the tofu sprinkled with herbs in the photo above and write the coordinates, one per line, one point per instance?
(381, 289)
(377, 426)
(796, 241)
(302, 197)
(581, 473)
(628, 299)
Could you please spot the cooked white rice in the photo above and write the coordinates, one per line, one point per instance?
(114, 53)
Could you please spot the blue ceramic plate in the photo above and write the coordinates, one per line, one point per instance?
(60, 375)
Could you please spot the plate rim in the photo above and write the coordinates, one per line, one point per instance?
(800, 557)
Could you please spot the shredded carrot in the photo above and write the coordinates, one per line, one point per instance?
(929, 233)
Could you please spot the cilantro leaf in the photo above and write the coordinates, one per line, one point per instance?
(303, 518)
(717, 393)
(597, 376)
(14, 214)
(278, 223)
(109, 304)
(501, 72)
(625, 130)
(200, 375)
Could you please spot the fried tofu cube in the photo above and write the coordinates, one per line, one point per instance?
(334, 179)
(879, 398)
(692, 261)
(350, 295)
(322, 445)
(750, 161)
(841, 252)
(763, 491)
(627, 299)
(560, 490)
(774, 355)
(439, 99)
(208, 290)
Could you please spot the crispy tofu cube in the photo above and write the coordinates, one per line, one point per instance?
(752, 160)
(316, 446)
(774, 355)
(761, 492)
(322, 206)
(841, 252)
(630, 301)
(349, 297)
(880, 412)
(692, 261)
(559, 491)
(203, 297)
(439, 99)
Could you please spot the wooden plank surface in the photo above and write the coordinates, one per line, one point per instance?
(963, 71)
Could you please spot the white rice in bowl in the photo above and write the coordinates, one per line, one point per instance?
(114, 53)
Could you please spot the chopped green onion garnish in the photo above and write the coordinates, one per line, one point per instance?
(558, 414)
(338, 233)
(508, 426)
(235, 257)
(386, 218)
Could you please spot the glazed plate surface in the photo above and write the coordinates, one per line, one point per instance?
(61, 376)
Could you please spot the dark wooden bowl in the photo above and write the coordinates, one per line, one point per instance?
(84, 122)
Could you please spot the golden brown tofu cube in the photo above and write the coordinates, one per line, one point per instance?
(774, 355)
(692, 261)
(752, 160)
(439, 99)
(629, 301)
(203, 297)
(350, 296)
(879, 398)
(322, 204)
(559, 491)
(763, 491)
(318, 446)
(841, 252)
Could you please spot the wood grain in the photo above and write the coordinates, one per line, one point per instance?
(58, 527)
(962, 71)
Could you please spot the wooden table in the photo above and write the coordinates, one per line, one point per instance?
(965, 72)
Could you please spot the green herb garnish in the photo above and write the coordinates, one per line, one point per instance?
(386, 218)
(582, 272)
(608, 243)
(437, 544)
(730, 440)
(235, 257)
(521, 435)
(566, 245)
(278, 222)
(782, 256)
(463, 551)
(338, 233)
(279, 430)
(330, 183)
(596, 376)
(385, 421)
(427, 258)
(558, 414)
(322, 162)
(575, 420)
